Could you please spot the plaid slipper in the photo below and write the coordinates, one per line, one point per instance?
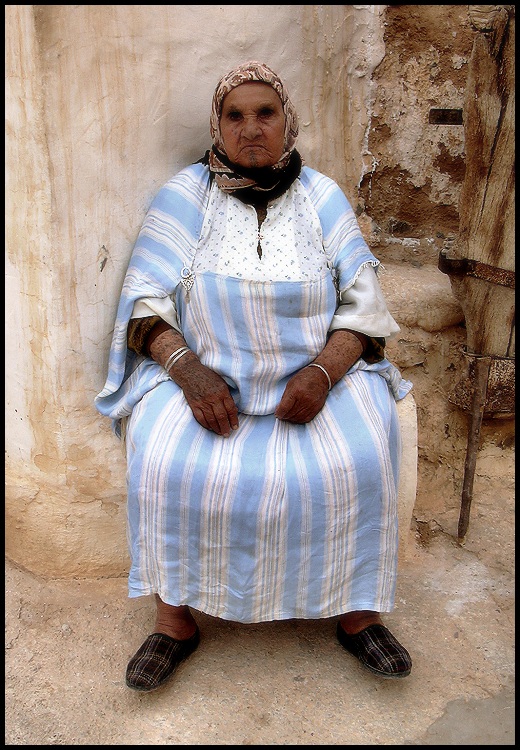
(156, 660)
(377, 650)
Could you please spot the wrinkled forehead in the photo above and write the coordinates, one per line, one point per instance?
(248, 73)
(251, 94)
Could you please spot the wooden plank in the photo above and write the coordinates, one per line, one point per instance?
(486, 207)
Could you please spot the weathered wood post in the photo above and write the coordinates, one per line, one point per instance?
(480, 260)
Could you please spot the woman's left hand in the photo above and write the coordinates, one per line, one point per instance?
(304, 396)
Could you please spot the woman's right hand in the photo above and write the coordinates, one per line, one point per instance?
(207, 394)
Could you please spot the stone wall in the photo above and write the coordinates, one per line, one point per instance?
(408, 206)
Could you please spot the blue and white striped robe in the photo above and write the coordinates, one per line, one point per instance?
(278, 520)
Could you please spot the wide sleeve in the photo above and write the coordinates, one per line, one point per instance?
(164, 307)
(362, 308)
(347, 252)
(163, 250)
(353, 266)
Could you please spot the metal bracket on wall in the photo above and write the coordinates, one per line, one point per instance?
(476, 269)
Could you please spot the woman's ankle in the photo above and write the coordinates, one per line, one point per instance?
(356, 621)
(177, 622)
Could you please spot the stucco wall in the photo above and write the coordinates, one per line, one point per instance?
(103, 104)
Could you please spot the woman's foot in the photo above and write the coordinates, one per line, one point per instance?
(175, 637)
(157, 659)
(363, 635)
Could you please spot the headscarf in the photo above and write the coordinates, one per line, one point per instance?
(249, 184)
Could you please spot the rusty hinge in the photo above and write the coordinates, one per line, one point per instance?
(476, 269)
(500, 386)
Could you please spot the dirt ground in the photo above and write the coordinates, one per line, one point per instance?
(68, 642)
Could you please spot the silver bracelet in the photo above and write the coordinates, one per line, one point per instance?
(315, 364)
(173, 358)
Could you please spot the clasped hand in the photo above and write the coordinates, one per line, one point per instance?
(208, 396)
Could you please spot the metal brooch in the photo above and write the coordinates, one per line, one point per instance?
(187, 278)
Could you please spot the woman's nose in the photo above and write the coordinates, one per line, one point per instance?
(252, 128)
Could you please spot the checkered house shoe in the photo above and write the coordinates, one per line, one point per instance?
(156, 660)
(377, 650)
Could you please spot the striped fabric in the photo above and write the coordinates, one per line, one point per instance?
(278, 520)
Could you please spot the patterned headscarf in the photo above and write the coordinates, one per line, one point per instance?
(230, 177)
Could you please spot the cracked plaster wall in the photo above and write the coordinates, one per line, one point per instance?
(103, 105)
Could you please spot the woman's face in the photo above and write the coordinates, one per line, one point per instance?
(252, 125)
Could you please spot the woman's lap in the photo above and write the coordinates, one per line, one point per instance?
(278, 520)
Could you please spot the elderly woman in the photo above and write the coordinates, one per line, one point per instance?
(248, 380)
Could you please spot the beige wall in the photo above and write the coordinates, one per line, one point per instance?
(103, 104)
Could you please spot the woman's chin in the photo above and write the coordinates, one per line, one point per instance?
(254, 159)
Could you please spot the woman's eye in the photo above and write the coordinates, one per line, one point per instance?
(266, 112)
(234, 116)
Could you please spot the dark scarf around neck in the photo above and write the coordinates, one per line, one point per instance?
(266, 183)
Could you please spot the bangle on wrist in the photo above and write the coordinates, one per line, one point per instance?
(175, 356)
(315, 364)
